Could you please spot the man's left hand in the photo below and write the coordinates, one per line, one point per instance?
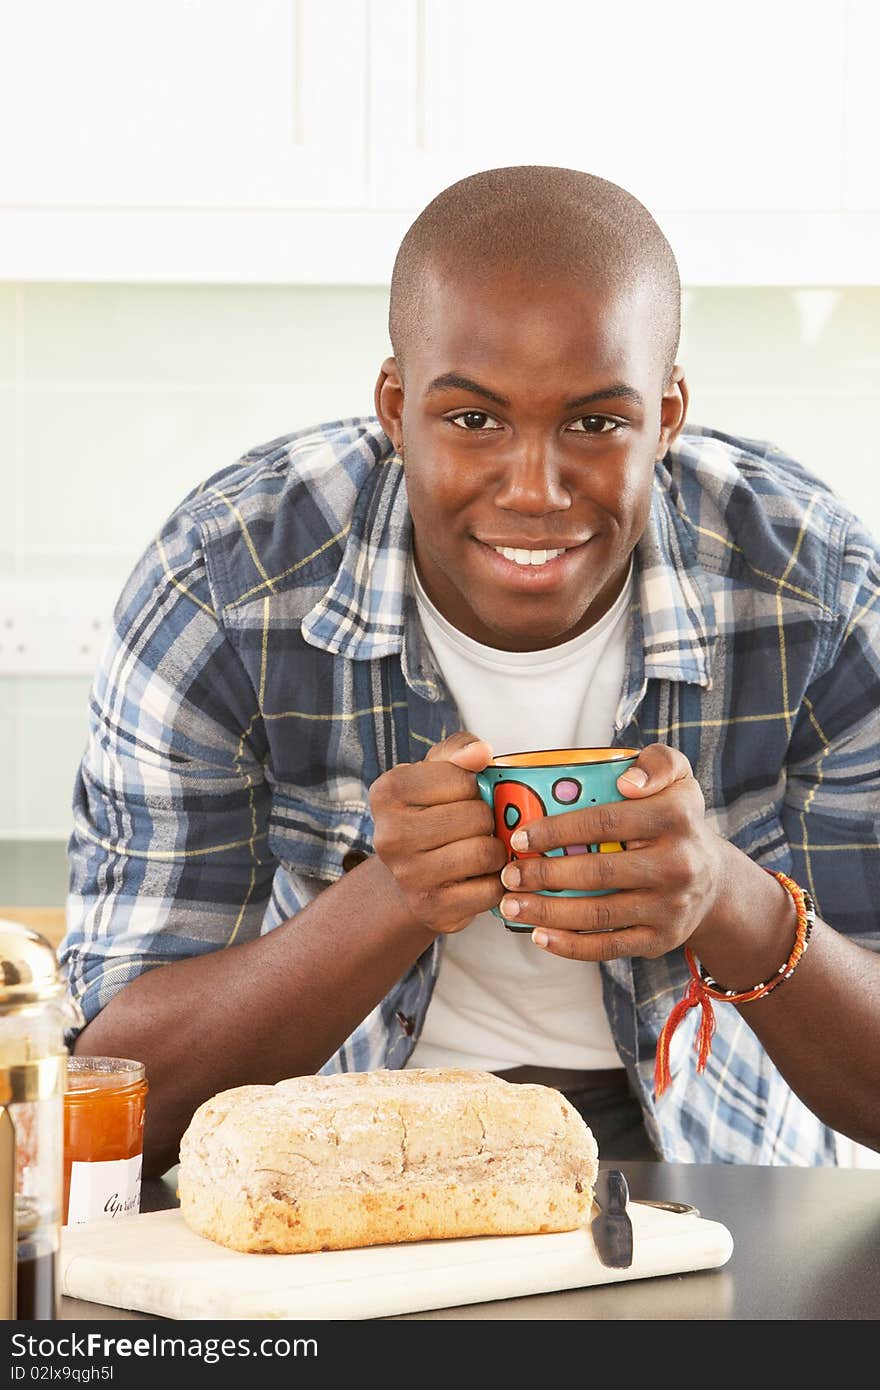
(666, 880)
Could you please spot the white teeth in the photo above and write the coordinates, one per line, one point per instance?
(528, 557)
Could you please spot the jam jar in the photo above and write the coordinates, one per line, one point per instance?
(104, 1107)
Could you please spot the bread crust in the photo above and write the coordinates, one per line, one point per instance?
(373, 1158)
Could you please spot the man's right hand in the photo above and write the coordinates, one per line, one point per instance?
(435, 834)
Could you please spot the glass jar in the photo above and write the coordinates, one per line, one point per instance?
(32, 1075)
(104, 1106)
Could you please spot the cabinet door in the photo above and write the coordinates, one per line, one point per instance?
(182, 103)
(862, 189)
(691, 106)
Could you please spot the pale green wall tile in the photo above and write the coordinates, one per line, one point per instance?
(850, 344)
(33, 874)
(331, 400)
(10, 817)
(7, 332)
(741, 335)
(104, 469)
(44, 803)
(761, 337)
(10, 735)
(8, 480)
(106, 568)
(44, 723)
(49, 752)
(58, 695)
(92, 465)
(201, 334)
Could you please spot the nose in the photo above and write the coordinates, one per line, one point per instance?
(532, 483)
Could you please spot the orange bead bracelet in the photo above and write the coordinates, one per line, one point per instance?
(703, 989)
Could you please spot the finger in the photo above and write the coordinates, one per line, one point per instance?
(597, 946)
(607, 913)
(448, 890)
(604, 928)
(419, 828)
(428, 783)
(450, 908)
(462, 860)
(615, 822)
(656, 767)
(463, 749)
(463, 901)
(585, 872)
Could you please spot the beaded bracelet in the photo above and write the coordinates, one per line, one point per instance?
(702, 988)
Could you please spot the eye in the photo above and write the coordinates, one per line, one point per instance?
(473, 420)
(594, 424)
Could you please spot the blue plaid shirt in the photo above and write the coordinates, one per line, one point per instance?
(267, 665)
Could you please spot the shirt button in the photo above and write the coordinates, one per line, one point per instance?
(352, 859)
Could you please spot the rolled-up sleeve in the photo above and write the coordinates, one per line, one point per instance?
(168, 855)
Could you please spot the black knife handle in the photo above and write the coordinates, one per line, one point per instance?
(612, 1192)
(612, 1228)
(617, 1191)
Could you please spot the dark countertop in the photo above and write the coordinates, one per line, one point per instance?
(806, 1246)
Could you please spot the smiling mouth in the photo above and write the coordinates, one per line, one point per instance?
(527, 557)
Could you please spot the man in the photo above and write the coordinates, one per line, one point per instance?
(280, 861)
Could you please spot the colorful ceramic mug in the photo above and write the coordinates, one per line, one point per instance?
(522, 787)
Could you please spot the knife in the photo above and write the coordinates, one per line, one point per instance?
(612, 1229)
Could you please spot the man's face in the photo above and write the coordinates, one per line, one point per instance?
(529, 424)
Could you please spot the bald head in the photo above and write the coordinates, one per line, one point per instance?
(542, 222)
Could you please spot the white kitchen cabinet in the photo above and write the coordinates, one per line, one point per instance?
(177, 104)
(734, 125)
(293, 141)
(862, 172)
(693, 107)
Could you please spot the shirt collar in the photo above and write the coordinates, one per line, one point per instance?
(369, 611)
(674, 627)
(361, 615)
(676, 595)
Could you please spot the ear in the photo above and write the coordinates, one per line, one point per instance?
(388, 398)
(673, 410)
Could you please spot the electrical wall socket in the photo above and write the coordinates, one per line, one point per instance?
(53, 627)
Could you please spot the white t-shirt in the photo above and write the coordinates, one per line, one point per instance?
(499, 1001)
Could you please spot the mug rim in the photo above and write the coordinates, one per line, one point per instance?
(564, 757)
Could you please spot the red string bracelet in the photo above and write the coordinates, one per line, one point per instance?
(702, 989)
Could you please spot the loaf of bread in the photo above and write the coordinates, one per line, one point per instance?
(371, 1158)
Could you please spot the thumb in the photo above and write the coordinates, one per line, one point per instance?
(657, 767)
(463, 749)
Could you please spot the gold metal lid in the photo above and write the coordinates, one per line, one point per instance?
(28, 967)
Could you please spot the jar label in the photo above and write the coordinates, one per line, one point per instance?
(104, 1191)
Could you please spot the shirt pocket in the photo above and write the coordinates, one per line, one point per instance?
(317, 835)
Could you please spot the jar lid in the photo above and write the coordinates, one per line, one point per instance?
(87, 1073)
(28, 967)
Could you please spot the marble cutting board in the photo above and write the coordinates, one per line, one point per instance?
(153, 1263)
